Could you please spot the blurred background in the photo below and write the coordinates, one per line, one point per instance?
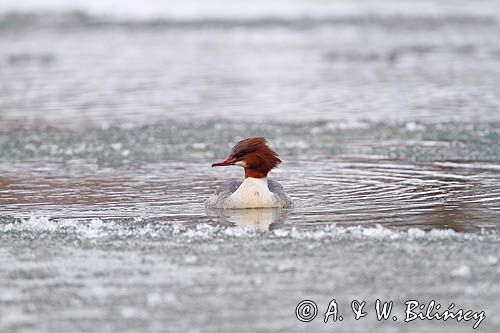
(386, 115)
(102, 62)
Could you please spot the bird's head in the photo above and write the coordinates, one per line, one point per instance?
(254, 155)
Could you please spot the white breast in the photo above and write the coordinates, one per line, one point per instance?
(253, 193)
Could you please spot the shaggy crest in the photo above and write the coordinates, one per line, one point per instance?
(268, 157)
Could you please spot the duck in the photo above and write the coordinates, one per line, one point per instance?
(255, 190)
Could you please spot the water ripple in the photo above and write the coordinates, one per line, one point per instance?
(342, 191)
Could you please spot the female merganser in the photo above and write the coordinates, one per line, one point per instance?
(255, 191)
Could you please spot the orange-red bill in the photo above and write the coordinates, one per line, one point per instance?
(228, 161)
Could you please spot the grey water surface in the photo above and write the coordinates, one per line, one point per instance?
(386, 115)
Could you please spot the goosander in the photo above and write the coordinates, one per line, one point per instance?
(256, 191)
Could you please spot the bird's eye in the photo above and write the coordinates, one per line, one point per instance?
(239, 155)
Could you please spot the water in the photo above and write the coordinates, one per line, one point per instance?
(385, 115)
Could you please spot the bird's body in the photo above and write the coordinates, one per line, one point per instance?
(256, 191)
(250, 193)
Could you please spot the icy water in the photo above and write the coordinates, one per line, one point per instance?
(386, 115)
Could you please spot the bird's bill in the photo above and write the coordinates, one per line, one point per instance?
(228, 161)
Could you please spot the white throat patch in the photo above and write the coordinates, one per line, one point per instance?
(241, 164)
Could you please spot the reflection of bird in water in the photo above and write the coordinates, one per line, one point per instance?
(448, 217)
(260, 218)
(255, 191)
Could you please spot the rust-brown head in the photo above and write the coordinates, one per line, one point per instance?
(254, 155)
